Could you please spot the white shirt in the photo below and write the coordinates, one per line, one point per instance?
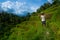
(42, 17)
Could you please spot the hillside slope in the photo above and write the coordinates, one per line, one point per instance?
(33, 30)
(7, 21)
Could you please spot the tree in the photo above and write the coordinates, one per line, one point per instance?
(47, 5)
(43, 7)
(56, 2)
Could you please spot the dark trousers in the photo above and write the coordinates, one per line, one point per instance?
(43, 23)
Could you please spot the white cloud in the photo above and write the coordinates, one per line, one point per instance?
(7, 4)
(18, 7)
(34, 8)
(50, 1)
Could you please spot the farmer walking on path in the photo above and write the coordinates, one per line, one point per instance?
(43, 19)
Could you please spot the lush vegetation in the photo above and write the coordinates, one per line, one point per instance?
(8, 21)
(29, 27)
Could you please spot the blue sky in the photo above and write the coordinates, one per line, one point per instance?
(20, 6)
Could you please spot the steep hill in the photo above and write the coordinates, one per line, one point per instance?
(33, 30)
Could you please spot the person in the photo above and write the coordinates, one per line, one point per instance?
(43, 19)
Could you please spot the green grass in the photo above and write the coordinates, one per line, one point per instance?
(27, 31)
(33, 30)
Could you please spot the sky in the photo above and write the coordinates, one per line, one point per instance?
(21, 6)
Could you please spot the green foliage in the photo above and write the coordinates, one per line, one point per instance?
(56, 2)
(43, 7)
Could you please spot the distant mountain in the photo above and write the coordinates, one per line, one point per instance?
(10, 10)
(23, 13)
(0, 9)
